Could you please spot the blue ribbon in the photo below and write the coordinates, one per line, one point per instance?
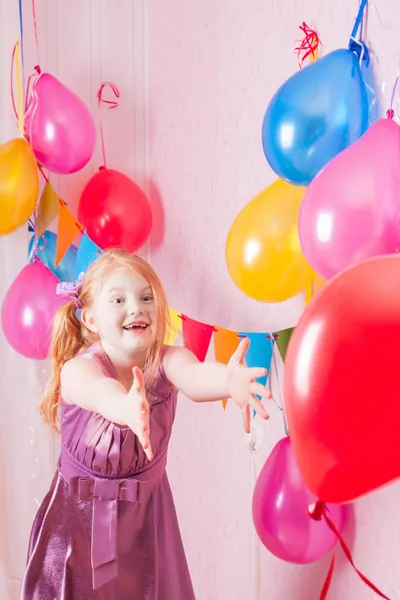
(359, 47)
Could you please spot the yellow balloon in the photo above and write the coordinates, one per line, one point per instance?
(19, 185)
(263, 251)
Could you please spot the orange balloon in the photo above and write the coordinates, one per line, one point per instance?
(263, 251)
(19, 185)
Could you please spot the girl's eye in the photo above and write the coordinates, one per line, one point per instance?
(147, 298)
(118, 300)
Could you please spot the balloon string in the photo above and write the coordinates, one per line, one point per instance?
(111, 104)
(256, 539)
(280, 405)
(328, 580)
(319, 511)
(308, 46)
(35, 29)
(21, 40)
(358, 19)
(390, 112)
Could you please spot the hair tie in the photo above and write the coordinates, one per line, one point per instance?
(71, 289)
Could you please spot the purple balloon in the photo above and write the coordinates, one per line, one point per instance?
(28, 310)
(280, 504)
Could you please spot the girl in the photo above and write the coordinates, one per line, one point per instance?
(107, 529)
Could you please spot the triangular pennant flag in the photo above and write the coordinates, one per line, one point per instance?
(197, 336)
(260, 351)
(88, 251)
(225, 344)
(175, 325)
(48, 209)
(282, 340)
(68, 229)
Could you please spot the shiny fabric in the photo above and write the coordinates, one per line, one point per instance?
(107, 529)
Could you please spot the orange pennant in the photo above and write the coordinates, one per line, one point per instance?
(68, 228)
(47, 211)
(225, 344)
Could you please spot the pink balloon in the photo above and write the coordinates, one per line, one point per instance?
(280, 504)
(60, 127)
(28, 310)
(349, 211)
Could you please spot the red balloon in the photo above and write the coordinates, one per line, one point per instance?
(341, 383)
(115, 211)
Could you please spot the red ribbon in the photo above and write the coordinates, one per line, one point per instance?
(309, 44)
(111, 104)
(319, 511)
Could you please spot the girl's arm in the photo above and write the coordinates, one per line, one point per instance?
(84, 384)
(210, 381)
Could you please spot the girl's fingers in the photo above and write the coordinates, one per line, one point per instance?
(260, 390)
(258, 407)
(246, 418)
(256, 372)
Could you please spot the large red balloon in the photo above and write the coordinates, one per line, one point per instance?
(342, 388)
(115, 211)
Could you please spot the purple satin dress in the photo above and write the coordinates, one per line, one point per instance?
(107, 529)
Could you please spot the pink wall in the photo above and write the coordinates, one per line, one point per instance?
(195, 78)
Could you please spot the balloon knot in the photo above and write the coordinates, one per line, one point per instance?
(390, 113)
(316, 511)
(102, 168)
(38, 69)
(360, 49)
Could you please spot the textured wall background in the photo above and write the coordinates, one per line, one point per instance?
(195, 78)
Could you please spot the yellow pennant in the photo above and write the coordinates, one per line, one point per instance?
(175, 326)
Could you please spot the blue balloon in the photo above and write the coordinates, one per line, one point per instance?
(46, 251)
(88, 251)
(317, 113)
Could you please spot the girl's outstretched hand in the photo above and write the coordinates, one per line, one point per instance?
(242, 384)
(137, 412)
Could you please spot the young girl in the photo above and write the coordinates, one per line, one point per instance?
(107, 529)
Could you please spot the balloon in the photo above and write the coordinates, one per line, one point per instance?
(19, 184)
(280, 511)
(46, 253)
(60, 127)
(349, 210)
(316, 114)
(28, 310)
(341, 383)
(115, 211)
(263, 252)
(87, 253)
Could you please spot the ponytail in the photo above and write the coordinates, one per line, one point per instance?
(66, 341)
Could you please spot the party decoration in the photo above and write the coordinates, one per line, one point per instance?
(88, 252)
(263, 252)
(260, 351)
(68, 229)
(282, 339)
(197, 336)
(317, 113)
(280, 504)
(341, 380)
(115, 211)
(349, 211)
(46, 252)
(28, 310)
(225, 344)
(48, 209)
(60, 127)
(175, 326)
(19, 184)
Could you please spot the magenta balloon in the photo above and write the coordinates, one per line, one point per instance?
(350, 211)
(28, 310)
(61, 129)
(280, 504)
